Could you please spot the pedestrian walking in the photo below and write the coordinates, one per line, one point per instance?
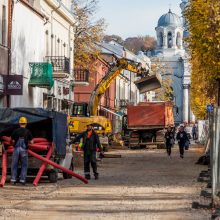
(169, 140)
(194, 132)
(90, 144)
(21, 137)
(182, 139)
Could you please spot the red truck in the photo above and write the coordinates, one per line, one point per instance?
(144, 123)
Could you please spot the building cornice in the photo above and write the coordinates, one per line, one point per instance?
(36, 11)
(63, 11)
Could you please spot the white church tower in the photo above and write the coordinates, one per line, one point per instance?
(170, 52)
(170, 35)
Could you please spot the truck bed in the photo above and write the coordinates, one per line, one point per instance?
(150, 115)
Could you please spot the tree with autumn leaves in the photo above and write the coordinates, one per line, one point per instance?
(88, 32)
(203, 18)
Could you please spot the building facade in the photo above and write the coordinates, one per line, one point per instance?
(4, 46)
(42, 51)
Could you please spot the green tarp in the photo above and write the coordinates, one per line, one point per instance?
(41, 75)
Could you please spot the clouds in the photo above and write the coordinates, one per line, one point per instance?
(134, 17)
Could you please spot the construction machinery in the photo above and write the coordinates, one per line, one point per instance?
(87, 113)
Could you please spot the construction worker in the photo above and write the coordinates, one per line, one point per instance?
(90, 144)
(21, 137)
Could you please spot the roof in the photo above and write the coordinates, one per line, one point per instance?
(169, 19)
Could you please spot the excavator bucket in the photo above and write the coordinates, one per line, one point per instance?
(148, 83)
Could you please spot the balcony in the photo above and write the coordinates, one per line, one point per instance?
(41, 75)
(81, 76)
(61, 66)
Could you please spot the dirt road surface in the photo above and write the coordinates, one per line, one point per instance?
(143, 184)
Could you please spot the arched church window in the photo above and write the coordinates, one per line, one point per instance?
(161, 39)
(178, 40)
(169, 40)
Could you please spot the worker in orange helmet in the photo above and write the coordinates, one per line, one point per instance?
(21, 137)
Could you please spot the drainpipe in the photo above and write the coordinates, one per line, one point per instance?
(71, 25)
(51, 19)
(70, 59)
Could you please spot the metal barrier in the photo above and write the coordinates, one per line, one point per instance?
(214, 127)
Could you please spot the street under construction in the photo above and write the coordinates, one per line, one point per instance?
(110, 110)
(142, 184)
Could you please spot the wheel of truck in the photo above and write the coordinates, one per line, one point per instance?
(68, 176)
(53, 176)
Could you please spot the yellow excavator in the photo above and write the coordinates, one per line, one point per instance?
(86, 113)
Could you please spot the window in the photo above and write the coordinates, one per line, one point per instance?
(3, 25)
(169, 40)
(178, 40)
(161, 39)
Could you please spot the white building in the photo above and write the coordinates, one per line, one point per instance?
(44, 39)
(171, 54)
(4, 9)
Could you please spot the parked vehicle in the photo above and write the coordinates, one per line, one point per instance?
(143, 125)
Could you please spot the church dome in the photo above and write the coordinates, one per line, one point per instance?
(169, 19)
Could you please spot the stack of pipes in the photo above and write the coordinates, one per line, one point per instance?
(39, 145)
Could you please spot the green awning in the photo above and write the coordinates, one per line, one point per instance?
(41, 75)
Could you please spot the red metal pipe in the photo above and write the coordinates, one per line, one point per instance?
(4, 168)
(37, 140)
(38, 147)
(58, 166)
(43, 143)
(5, 138)
(6, 143)
(10, 151)
(43, 166)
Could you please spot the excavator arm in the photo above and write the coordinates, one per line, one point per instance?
(103, 85)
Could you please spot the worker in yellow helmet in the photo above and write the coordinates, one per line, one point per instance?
(21, 137)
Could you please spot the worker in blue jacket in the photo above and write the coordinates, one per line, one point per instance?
(90, 144)
(182, 139)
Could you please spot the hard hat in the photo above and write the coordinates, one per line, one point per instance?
(22, 120)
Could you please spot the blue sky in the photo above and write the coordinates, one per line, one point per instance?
(128, 18)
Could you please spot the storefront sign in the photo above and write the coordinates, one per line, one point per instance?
(13, 84)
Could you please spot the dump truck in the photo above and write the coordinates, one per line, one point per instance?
(87, 113)
(144, 123)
